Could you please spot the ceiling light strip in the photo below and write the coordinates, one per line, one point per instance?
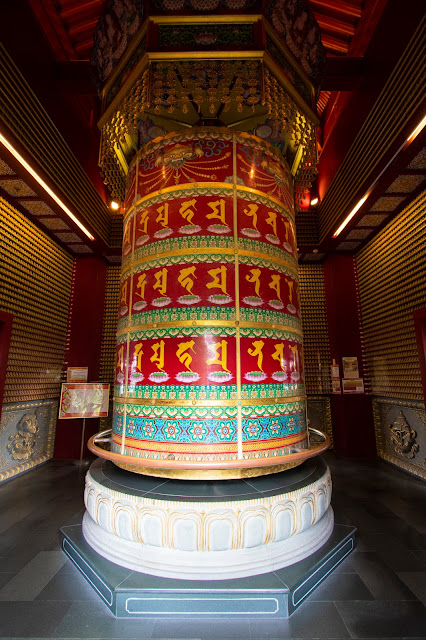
(413, 135)
(41, 182)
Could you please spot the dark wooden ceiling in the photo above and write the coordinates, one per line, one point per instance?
(69, 24)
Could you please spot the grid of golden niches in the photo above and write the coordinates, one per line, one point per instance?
(116, 235)
(315, 332)
(107, 373)
(307, 228)
(110, 324)
(35, 277)
(392, 283)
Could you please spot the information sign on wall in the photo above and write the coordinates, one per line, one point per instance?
(84, 400)
(77, 374)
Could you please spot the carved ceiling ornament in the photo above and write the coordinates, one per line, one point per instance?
(23, 443)
(403, 438)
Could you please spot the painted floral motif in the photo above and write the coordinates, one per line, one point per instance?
(252, 429)
(172, 431)
(130, 427)
(292, 425)
(274, 428)
(148, 429)
(225, 431)
(197, 431)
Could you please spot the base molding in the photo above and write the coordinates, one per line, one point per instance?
(206, 565)
(276, 594)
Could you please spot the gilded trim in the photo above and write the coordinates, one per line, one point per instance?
(194, 19)
(126, 400)
(203, 185)
(210, 323)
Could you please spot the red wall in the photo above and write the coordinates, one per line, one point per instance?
(84, 342)
(352, 415)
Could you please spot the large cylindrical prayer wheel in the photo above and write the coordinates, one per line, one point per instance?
(209, 367)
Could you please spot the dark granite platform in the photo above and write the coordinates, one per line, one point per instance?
(112, 477)
(130, 594)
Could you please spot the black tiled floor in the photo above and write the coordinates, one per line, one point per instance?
(383, 619)
(377, 592)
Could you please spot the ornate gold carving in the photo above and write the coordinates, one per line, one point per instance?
(23, 443)
(381, 408)
(5, 419)
(44, 446)
(403, 438)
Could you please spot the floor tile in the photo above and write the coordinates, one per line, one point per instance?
(416, 582)
(341, 586)
(311, 620)
(5, 578)
(68, 586)
(28, 583)
(383, 619)
(382, 582)
(31, 619)
(95, 620)
(205, 628)
(345, 566)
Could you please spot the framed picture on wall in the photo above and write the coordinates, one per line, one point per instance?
(84, 400)
(350, 367)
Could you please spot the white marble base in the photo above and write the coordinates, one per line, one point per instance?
(208, 565)
(207, 538)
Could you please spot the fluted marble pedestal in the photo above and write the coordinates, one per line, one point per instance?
(155, 547)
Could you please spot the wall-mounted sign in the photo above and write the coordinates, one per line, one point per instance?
(335, 373)
(84, 400)
(350, 367)
(335, 386)
(77, 374)
(352, 385)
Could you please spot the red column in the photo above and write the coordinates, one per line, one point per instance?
(352, 415)
(84, 342)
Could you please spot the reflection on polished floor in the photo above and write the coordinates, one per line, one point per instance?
(378, 592)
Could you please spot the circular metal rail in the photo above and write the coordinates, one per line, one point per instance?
(207, 469)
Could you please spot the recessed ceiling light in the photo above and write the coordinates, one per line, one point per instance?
(351, 215)
(413, 135)
(314, 201)
(42, 183)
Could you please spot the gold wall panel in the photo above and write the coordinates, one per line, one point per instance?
(392, 283)
(26, 118)
(400, 96)
(315, 331)
(35, 286)
(109, 332)
(400, 427)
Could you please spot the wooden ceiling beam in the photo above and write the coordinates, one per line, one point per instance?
(85, 47)
(76, 9)
(344, 8)
(83, 27)
(335, 26)
(334, 45)
(52, 25)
